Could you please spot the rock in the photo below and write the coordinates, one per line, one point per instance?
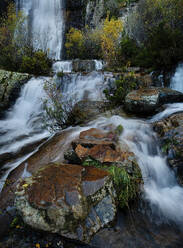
(102, 146)
(168, 95)
(70, 200)
(83, 65)
(10, 85)
(170, 132)
(87, 110)
(148, 100)
(142, 101)
(101, 153)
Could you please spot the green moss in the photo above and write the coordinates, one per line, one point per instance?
(127, 185)
(60, 74)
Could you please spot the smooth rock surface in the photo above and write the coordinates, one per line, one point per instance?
(148, 100)
(70, 200)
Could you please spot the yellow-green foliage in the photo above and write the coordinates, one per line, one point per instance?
(101, 42)
(74, 43)
(110, 34)
(16, 53)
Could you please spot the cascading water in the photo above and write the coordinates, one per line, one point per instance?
(45, 24)
(176, 83)
(177, 80)
(23, 125)
(161, 189)
(77, 87)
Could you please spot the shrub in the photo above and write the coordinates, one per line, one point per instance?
(110, 34)
(37, 64)
(74, 43)
(101, 42)
(128, 51)
(125, 84)
(163, 49)
(150, 13)
(16, 53)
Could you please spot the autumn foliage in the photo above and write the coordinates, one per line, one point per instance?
(101, 42)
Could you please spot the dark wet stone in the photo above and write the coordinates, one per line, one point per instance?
(58, 198)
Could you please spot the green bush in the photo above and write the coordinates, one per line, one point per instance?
(163, 49)
(122, 87)
(128, 51)
(37, 64)
(16, 53)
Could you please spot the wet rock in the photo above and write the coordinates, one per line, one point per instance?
(103, 147)
(142, 101)
(101, 153)
(10, 85)
(148, 100)
(70, 200)
(51, 150)
(87, 110)
(170, 132)
(83, 65)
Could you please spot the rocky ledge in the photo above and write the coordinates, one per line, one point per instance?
(70, 200)
(148, 100)
(10, 85)
(170, 132)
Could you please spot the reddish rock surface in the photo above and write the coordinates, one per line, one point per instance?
(65, 198)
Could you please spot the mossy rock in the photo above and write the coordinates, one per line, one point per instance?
(10, 86)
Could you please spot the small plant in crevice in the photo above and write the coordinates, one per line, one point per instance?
(116, 94)
(127, 185)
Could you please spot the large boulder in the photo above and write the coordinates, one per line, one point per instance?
(170, 132)
(70, 200)
(148, 100)
(10, 85)
(86, 110)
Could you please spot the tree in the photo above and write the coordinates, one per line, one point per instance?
(110, 35)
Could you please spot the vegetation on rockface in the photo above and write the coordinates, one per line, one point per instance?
(110, 39)
(149, 14)
(155, 29)
(16, 52)
(127, 185)
(150, 38)
(126, 83)
(101, 42)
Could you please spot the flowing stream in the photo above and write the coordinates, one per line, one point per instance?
(44, 24)
(23, 125)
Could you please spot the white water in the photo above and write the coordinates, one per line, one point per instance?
(62, 66)
(177, 80)
(161, 190)
(78, 87)
(45, 24)
(23, 123)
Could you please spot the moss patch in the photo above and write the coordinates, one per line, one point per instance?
(127, 184)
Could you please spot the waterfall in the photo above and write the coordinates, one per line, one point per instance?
(160, 188)
(23, 123)
(177, 80)
(176, 83)
(45, 24)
